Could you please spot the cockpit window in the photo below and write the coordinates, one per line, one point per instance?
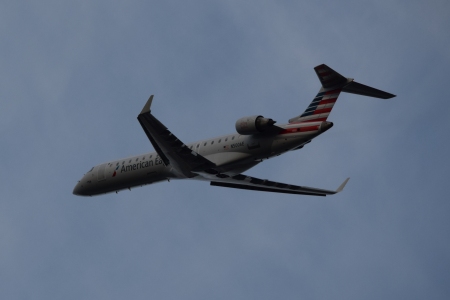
(91, 169)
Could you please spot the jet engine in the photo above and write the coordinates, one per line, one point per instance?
(253, 125)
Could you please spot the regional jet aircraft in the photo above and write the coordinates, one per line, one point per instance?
(223, 159)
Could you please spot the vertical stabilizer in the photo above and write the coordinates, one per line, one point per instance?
(333, 84)
(321, 106)
(319, 109)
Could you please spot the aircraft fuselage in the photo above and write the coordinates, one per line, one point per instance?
(232, 154)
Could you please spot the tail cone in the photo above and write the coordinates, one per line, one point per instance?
(325, 126)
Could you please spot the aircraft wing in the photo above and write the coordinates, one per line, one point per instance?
(171, 150)
(255, 184)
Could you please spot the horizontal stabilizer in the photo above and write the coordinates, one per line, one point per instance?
(329, 77)
(361, 89)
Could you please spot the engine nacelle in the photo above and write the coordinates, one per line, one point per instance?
(253, 125)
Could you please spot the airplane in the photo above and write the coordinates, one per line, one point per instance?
(223, 159)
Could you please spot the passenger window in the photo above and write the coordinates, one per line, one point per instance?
(137, 159)
(117, 164)
(129, 161)
(204, 144)
(143, 158)
(219, 140)
(212, 142)
(150, 156)
(123, 162)
(198, 145)
(226, 139)
(232, 137)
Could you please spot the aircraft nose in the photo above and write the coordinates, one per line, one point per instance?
(78, 190)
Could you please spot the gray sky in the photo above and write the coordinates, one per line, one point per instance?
(74, 76)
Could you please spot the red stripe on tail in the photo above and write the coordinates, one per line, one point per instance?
(323, 110)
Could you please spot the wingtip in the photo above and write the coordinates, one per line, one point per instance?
(147, 105)
(341, 187)
(392, 96)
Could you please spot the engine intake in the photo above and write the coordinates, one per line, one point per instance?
(253, 125)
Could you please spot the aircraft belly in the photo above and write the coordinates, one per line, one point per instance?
(291, 141)
(249, 152)
(225, 158)
(238, 167)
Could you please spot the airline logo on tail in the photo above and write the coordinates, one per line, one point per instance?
(320, 107)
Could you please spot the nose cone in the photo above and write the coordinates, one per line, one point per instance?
(79, 190)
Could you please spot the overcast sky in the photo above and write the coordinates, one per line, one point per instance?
(75, 75)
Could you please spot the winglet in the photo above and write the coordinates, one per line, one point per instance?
(341, 187)
(147, 105)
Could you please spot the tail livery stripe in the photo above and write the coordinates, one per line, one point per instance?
(300, 129)
(327, 101)
(322, 103)
(314, 119)
(321, 111)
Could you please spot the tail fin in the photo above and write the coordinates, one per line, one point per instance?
(332, 85)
